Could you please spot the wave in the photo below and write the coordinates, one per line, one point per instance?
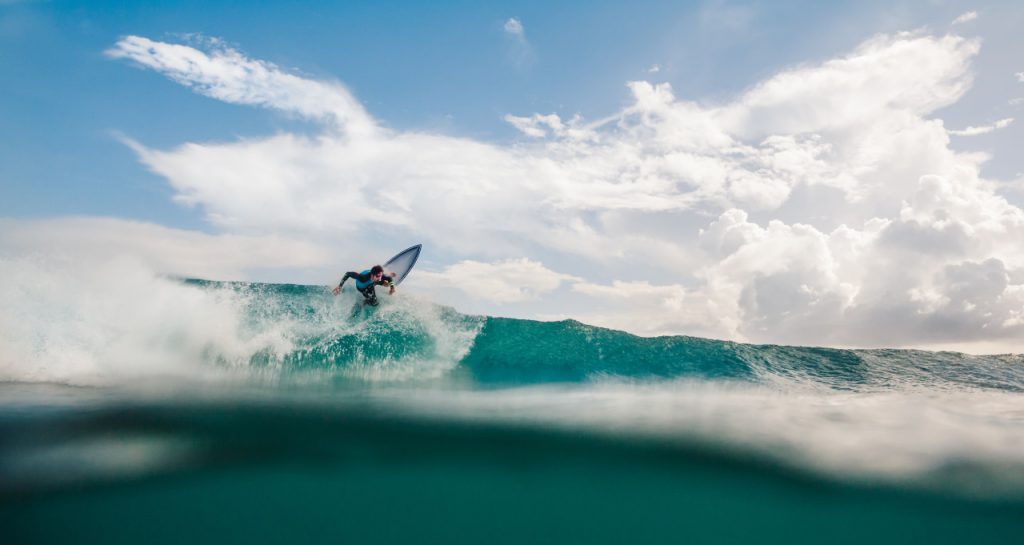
(512, 351)
(121, 322)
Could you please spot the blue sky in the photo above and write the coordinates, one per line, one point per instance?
(91, 131)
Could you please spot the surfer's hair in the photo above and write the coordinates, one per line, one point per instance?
(377, 269)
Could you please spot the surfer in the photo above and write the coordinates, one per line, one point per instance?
(365, 282)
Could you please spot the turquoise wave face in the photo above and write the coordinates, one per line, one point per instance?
(524, 352)
(409, 339)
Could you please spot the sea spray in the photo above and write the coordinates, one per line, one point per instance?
(114, 321)
(117, 321)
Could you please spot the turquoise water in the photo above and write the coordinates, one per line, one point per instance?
(254, 413)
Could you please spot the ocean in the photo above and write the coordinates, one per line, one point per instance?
(138, 409)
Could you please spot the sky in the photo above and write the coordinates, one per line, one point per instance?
(814, 173)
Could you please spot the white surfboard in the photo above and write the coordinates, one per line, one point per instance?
(402, 263)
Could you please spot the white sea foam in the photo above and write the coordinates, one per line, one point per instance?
(116, 320)
(104, 322)
(448, 340)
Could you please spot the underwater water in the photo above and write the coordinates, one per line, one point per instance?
(136, 409)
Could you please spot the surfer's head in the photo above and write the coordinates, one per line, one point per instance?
(377, 272)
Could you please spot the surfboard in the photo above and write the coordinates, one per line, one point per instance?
(402, 263)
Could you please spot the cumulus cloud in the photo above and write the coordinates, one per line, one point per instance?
(822, 206)
(984, 129)
(929, 273)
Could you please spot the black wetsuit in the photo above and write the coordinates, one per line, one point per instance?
(365, 284)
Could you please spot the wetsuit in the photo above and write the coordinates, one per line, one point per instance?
(365, 284)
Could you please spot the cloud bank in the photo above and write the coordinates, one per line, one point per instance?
(824, 205)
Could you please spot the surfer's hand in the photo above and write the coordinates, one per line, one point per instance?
(336, 290)
(391, 291)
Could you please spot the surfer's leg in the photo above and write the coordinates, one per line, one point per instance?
(369, 295)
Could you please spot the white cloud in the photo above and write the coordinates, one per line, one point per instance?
(1020, 76)
(822, 206)
(520, 52)
(930, 274)
(514, 26)
(538, 125)
(966, 17)
(225, 74)
(904, 74)
(660, 154)
(654, 69)
(509, 281)
(645, 308)
(985, 129)
(728, 233)
(541, 126)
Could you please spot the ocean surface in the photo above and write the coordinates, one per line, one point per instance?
(138, 409)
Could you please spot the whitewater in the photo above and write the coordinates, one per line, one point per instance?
(137, 407)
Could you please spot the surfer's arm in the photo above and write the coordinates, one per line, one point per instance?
(388, 281)
(348, 275)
